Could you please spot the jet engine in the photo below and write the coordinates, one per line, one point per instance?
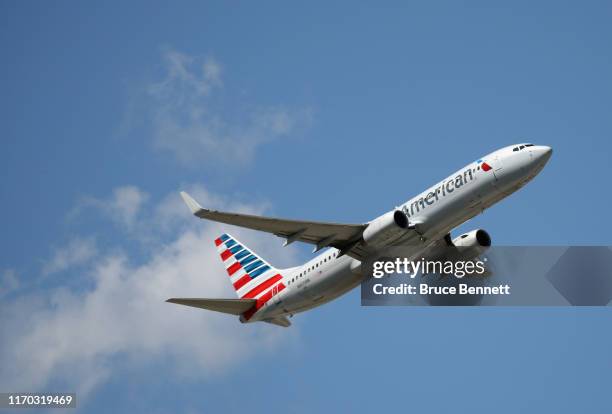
(472, 244)
(386, 229)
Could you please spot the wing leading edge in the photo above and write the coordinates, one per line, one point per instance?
(345, 237)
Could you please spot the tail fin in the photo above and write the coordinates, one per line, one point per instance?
(251, 276)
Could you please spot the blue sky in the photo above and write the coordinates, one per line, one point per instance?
(333, 112)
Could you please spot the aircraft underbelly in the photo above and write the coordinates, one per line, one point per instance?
(320, 289)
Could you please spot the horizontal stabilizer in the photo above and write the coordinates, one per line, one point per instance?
(231, 306)
(280, 321)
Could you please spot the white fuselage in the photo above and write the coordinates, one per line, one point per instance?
(434, 212)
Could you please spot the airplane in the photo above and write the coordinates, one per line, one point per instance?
(424, 222)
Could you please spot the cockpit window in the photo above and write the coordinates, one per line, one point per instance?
(521, 147)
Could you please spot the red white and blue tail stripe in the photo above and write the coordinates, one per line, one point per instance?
(251, 276)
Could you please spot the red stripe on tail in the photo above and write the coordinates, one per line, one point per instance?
(261, 287)
(225, 255)
(233, 268)
(242, 281)
(262, 301)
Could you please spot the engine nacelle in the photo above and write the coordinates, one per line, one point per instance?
(386, 229)
(472, 244)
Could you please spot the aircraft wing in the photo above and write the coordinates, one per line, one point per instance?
(345, 237)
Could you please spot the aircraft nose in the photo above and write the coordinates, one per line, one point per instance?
(541, 153)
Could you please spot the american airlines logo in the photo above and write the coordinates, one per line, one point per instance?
(442, 190)
(485, 167)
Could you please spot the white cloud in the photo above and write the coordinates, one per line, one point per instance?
(8, 282)
(171, 212)
(128, 208)
(186, 78)
(186, 119)
(75, 336)
(77, 252)
(126, 203)
(123, 207)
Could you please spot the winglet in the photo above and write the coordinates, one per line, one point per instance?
(191, 203)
